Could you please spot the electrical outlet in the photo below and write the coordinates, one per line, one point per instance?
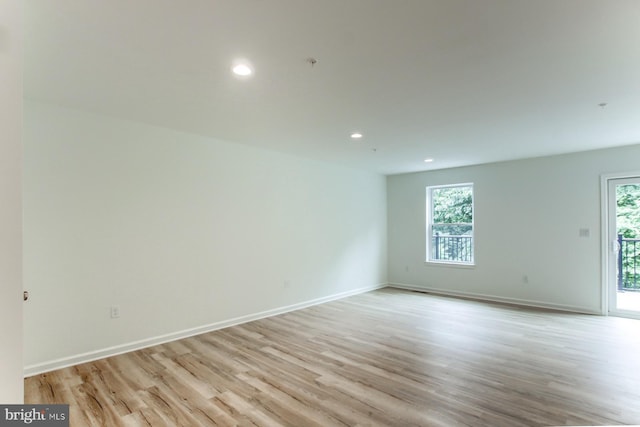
(115, 311)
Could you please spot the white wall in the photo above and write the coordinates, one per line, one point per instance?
(527, 220)
(11, 385)
(180, 231)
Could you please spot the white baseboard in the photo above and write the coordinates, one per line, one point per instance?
(161, 339)
(494, 298)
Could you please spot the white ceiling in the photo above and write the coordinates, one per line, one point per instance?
(462, 81)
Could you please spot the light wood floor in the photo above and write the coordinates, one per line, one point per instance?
(385, 358)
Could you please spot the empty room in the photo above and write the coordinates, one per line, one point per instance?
(320, 213)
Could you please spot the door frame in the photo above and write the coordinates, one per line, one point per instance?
(606, 238)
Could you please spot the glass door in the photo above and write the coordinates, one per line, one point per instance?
(624, 247)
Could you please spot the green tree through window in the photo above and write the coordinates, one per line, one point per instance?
(628, 211)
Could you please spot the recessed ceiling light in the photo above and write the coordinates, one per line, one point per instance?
(242, 70)
(356, 135)
(429, 160)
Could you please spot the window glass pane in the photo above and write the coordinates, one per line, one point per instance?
(452, 243)
(450, 224)
(452, 205)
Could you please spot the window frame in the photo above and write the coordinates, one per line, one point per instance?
(430, 224)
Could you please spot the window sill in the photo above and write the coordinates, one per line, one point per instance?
(450, 264)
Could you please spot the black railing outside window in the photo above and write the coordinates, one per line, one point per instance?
(628, 264)
(452, 248)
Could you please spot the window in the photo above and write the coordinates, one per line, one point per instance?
(450, 224)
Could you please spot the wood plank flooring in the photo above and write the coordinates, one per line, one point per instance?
(384, 358)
